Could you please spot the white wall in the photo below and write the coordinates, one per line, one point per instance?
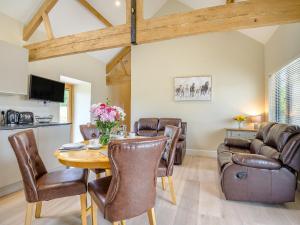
(81, 67)
(82, 104)
(280, 50)
(236, 64)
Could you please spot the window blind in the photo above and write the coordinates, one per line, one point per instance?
(284, 94)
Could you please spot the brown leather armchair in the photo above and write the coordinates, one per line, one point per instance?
(152, 127)
(39, 185)
(131, 190)
(88, 132)
(166, 165)
(264, 169)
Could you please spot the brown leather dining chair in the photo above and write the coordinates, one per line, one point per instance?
(88, 132)
(131, 190)
(39, 185)
(166, 165)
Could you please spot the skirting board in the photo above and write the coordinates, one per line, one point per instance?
(11, 188)
(202, 153)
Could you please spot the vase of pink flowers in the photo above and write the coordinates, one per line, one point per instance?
(107, 117)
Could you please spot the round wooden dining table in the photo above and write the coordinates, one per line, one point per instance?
(88, 158)
(85, 159)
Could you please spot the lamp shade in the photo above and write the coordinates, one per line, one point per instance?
(256, 119)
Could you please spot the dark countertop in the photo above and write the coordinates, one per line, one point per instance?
(35, 125)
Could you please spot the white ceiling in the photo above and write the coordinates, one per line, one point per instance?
(261, 34)
(69, 17)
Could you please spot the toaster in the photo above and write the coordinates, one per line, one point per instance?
(26, 118)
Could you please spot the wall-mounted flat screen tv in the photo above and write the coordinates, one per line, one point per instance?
(47, 90)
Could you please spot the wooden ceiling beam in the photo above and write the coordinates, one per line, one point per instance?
(90, 8)
(241, 15)
(112, 37)
(37, 18)
(118, 58)
(117, 79)
(128, 11)
(229, 1)
(48, 27)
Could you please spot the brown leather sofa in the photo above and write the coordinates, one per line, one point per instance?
(152, 127)
(263, 169)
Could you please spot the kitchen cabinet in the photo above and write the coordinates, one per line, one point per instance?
(48, 138)
(9, 168)
(14, 69)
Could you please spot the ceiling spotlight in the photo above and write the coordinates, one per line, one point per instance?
(117, 3)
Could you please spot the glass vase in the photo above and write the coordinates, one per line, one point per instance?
(105, 136)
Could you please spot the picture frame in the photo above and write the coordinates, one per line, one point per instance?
(193, 88)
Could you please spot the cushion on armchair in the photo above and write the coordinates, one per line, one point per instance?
(147, 124)
(256, 161)
(163, 122)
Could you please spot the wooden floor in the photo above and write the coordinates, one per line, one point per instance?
(199, 202)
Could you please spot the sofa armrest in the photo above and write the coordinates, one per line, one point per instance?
(256, 161)
(237, 142)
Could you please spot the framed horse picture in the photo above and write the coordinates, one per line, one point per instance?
(197, 88)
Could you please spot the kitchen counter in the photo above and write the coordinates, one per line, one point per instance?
(27, 126)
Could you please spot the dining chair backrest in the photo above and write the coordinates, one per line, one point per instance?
(172, 133)
(134, 164)
(89, 131)
(29, 161)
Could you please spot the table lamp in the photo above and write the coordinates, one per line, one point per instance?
(256, 120)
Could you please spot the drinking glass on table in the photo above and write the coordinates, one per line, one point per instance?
(94, 142)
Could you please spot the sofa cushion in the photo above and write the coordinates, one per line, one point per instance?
(224, 148)
(291, 153)
(256, 145)
(237, 142)
(147, 124)
(263, 130)
(147, 133)
(279, 135)
(269, 152)
(168, 121)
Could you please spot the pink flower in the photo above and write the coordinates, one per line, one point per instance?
(106, 113)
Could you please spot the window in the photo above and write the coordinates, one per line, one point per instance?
(284, 93)
(66, 108)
